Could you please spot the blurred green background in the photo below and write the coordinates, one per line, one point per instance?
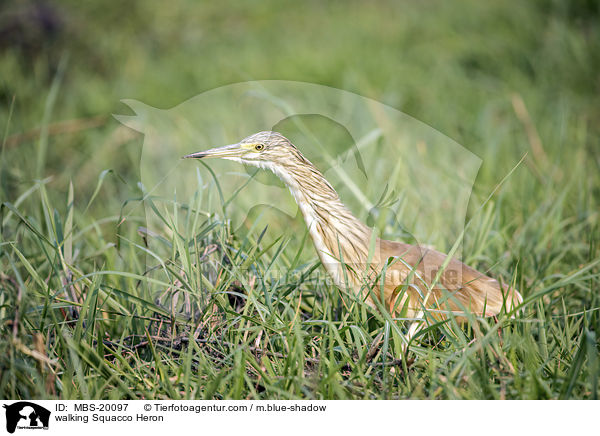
(453, 65)
(502, 79)
(505, 79)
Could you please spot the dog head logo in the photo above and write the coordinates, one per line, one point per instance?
(24, 414)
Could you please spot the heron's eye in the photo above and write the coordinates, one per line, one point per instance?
(259, 147)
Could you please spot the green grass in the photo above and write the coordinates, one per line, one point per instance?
(92, 305)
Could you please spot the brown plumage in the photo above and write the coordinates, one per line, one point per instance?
(343, 244)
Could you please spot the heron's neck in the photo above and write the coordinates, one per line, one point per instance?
(335, 231)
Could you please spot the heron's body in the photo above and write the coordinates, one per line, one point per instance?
(344, 244)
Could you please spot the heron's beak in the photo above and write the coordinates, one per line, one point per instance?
(227, 151)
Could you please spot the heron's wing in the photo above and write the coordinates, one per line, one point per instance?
(459, 288)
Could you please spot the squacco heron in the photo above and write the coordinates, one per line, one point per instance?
(416, 280)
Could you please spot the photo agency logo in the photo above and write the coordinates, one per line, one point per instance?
(25, 415)
(329, 155)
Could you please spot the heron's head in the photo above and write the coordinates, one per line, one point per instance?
(267, 149)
